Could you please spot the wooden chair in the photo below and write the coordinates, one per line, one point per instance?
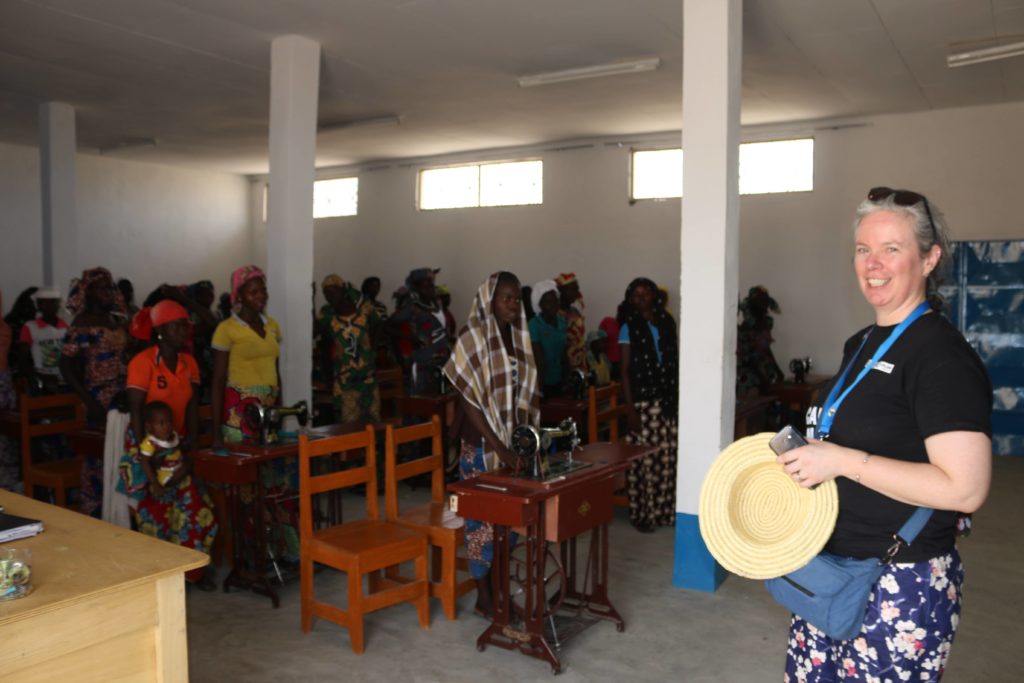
(46, 416)
(391, 385)
(357, 548)
(204, 439)
(443, 528)
(603, 410)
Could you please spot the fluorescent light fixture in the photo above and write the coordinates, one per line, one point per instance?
(632, 66)
(128, 143)
(391, 119)
(979, 55)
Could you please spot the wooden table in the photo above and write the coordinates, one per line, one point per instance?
(799, 397)
(559, 512)
(107, 603)
(233, 468)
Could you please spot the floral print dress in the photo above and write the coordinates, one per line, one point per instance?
(912, 617)
(356, 395)
(102, 351)
(182, 515)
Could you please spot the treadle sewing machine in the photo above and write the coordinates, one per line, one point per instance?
(254, 518)
(266, 420)
(544, 590)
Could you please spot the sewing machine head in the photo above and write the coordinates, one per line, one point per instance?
(266, 420)
(800, 368)
(532, 445)
(527, 441)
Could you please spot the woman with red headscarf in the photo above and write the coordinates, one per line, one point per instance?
(176, 509)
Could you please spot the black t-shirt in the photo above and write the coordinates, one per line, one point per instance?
(930, 381)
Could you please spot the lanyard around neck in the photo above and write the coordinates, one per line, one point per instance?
(831, 406)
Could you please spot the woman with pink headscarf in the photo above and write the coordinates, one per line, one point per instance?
(245, 351)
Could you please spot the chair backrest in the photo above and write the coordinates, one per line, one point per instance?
(312, 484)
(62, 413)
(395, 472)
(391, 385)
(46, 415)
(204, 439)
(603, 409)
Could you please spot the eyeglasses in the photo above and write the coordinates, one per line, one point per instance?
(904, 198)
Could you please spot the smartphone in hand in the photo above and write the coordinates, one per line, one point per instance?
(787, 439)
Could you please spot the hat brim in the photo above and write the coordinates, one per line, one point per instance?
(755, 520)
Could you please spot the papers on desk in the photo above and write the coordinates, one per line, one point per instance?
(13, 527)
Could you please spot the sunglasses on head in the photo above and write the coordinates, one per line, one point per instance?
(904, 198)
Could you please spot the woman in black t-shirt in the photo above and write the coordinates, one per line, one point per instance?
(916, 431)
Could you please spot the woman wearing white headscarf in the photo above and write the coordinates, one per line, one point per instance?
(492, 367)
(549, 335)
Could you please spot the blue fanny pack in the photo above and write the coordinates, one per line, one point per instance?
(831, 592)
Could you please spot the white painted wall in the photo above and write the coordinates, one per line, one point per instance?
(583, 226)
(797, 245)
(801, 246)
(147, 222)
(21, 255)
(153, 223)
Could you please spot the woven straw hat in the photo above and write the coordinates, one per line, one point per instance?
(756, 521)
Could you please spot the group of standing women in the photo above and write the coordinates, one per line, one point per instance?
(494, 368)
(645, 355)
(158, 339)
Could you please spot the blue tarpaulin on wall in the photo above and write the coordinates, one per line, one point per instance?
(985, 300)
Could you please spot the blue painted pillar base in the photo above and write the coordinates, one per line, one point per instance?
(695, 568)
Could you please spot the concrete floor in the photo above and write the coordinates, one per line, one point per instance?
(734, 635)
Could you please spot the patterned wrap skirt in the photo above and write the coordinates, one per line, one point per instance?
(236, 399)
(907, 634)
(183, 515)
(652, 479)
(479, 535)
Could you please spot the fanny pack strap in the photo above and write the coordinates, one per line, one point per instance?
(908, 532)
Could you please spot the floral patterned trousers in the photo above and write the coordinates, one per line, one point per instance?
(908, 630)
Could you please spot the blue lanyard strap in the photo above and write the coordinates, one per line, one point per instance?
(831, 406)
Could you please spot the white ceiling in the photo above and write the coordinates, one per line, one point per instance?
(194, 74)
